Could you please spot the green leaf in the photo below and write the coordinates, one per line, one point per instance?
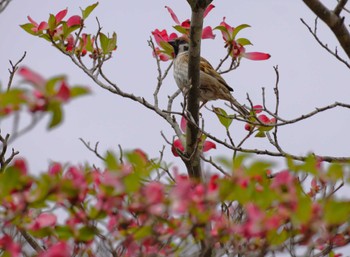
(224, 118)
(88, 10)
(64, 232)
(142, 232)
(111, 161)
(108, 44)
(238, 29)
(243, 41)
(181, 29)
(335, 172)
(104, 42)
(52, 22)
(13, 97)
(28, 28)
(260, 134)
(336, 212)
(86, 234)
(9, 181)
(77, 91)
(56, 114)
(50, 86)
(304, 211)
(277, 238)
(89, 45)
(167, 47)
(222, 29)
(132, 182)
(112, 43)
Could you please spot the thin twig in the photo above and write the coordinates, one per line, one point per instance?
(14, 68)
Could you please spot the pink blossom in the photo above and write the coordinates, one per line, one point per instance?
(184, 27)
(35, 78)
(258, 108)
(55, 168)
(264, 119)
(177, 146)
(43, 220)
(237, 46)
(208, 145)
(7, 244)
(74, 20)
(154, 192)
(38, 28)
(60, 249)
(256, 56)
(283, 178)
(21, 165)
(60, 15)
(63, 93)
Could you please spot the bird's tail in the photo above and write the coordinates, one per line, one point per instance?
(240, 108)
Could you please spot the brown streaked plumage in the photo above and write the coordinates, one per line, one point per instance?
(212, 85)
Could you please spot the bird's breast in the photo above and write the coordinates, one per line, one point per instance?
(181, 71)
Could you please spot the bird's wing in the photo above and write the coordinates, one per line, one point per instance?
(207, 68)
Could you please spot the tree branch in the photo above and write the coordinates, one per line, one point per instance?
(333, 21)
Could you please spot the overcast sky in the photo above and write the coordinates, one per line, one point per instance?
(309, 77)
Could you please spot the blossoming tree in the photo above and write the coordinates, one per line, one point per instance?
(135, 205)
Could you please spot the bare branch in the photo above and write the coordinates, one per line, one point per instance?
(333, 21)
(340, 6)
(325, 46)
(3, 160)
(14, 68)
(4, 4)
(94, 149)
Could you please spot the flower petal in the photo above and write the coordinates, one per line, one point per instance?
(60, 15)
(256, 56)
(43, 25)
(32, 77)
(207, 33)
(44, 220)
(63, 93)
(183, 124)
(74, 20)
(208, 145)
(177, 146)
(32, 21)
(173, 15)
(209, 8)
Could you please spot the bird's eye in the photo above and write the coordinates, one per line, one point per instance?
(186, 48)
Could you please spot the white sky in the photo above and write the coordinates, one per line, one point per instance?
(309, 77)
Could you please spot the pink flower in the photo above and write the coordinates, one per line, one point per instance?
(32, 77)
(21, 165)
(60, 249)
(38, 28)
(63, 93)
(60, 15)
(43, 220)
(264, 119)
(178, 146)
(237, 46)
(74, 20)
(12, 248)
(165, 50)
(55, 168)
(184, 27)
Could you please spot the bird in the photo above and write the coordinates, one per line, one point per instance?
(212, 85)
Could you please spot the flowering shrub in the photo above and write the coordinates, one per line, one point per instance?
(249, 211)
(45, 96)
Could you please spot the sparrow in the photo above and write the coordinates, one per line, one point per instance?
(212, 85)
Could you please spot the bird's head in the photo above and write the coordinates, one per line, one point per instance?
(180, 45)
